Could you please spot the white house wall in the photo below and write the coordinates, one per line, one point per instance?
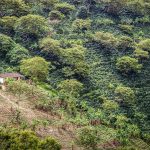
(1, 80)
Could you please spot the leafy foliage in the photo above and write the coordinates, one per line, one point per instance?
(36, 26)
(128, 65)
(36, 68)
(13, 8)
(106, 40)
(64, 8)
(17, 140)
(125, 94)
(88, 138)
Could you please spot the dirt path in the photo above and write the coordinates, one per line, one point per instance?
(29, 113)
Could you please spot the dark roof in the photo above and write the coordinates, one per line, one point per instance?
(10, 75)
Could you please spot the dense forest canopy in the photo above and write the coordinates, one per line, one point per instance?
(87, 59)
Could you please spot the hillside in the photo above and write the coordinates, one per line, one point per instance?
(86, 68)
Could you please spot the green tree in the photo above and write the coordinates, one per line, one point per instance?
(125, 43)
(144, 44)
(80, 25)
(56, 15)
(128, 65)
(18, 53)
(110, 106)
(82, 13)
(7, 24)
(37, 68)
(13, 8)
(64, 8)
(6, 44)
(75, 57)
(125, 94)
(114, 6)
(31, 26)
(88, 138)
(106, 40)
(50, 46)
(71, 87)
(141, 54)
(18, 88)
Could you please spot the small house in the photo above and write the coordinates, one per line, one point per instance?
(6, 76)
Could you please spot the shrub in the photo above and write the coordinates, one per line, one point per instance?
(23, 139)
(144, 44)
(64, 8)
(141, 54)
(125, 94)
(80, 25)
(128, 65)
(49, 144)
(31, 26)
(105, 40)
(82, 13)
(88, 138)
(56, 15)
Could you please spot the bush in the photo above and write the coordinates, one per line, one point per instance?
(106, 40)
(144, 44)
(80, 25)
(125, 94)
(64, 8)
(56, 15)
(49, 144)
(141, 54)
(31, 26)
(128, 65)
(82, 13)
(88, 138)
(18, 139)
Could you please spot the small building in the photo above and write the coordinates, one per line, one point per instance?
(5, 76)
